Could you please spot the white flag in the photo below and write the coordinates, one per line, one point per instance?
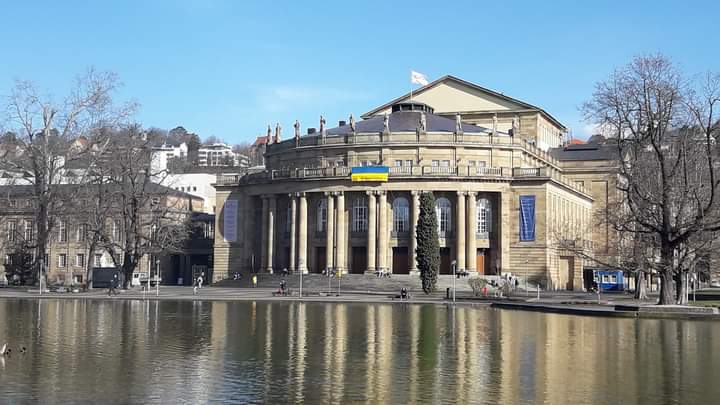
(418, 78)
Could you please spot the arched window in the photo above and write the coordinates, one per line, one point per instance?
(322, 216)
(401, 215)
(360, 215)
(484, 218)
(443, 210)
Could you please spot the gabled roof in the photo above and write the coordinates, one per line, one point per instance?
(450, 78)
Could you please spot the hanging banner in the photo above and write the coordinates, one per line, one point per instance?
(230, 220)
(527, 217)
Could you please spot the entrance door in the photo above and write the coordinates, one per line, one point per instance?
(567, 272)
(445, 261)
(480, 261)
(400, 263)
(320, 261)
(359, 260)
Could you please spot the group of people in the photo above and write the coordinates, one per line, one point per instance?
(382, 273)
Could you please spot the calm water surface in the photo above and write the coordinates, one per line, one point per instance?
(245, 352)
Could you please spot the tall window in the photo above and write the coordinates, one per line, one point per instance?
(62, 260)
(360, 215)
(81, 232)
(97, 262)
(322, 216)
(443, 210)
(80, 260)
(11, 229)
(30, 231)
(62, 232)
(484, 219)
(401, 214)
(115, 231)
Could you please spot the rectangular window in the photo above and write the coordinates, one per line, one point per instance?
(81, 232)
(481, 163)
(445, 163)
(80, 260)
(29, 231)
(527, 218)
(398, 163)
(62, 232)
(435, 163)
(471, 163)
(11, 229)
(408, 163)
(62, 260)
(98, 261)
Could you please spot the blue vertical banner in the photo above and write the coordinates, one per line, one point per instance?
(527, 217)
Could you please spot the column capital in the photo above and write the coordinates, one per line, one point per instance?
(462, 193)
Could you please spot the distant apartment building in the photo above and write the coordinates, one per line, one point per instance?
(217, 154)
(165, 152)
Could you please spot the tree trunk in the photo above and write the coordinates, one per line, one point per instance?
(128, 268)
(89, 269)
(681, 282)
(667, 288)
(640, 288)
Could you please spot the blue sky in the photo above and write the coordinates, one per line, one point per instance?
(228, 68)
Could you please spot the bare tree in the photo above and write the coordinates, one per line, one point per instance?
(149, 219)
(666, 129)
(46, 138)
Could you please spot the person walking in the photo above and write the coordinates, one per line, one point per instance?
(200, 280)
(113, 285)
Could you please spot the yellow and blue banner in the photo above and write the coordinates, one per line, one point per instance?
(370, 173)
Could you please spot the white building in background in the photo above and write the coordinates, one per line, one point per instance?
(217, 154)
(167, 151)
(196, 184)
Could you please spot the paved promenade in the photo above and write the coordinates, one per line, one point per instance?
(572, 303)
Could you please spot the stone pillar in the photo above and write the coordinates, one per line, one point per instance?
(371, 232)
(340, 235)
(270, 251)
(460, 240)
(293, 230)
(302, 235)
(471, 233)
(329, 231)
(382, 232)
(264, 233)
(413, 231)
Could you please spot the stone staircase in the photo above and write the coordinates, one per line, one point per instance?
(351, 283)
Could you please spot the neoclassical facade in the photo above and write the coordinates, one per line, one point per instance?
(502, 202)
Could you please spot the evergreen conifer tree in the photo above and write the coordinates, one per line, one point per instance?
(428, 244)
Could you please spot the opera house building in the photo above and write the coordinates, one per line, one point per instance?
(511, 194)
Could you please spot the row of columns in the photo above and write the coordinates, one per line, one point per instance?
(378, 231)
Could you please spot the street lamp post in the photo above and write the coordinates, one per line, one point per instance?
(454, 266)
(157, 277)
(527, 263)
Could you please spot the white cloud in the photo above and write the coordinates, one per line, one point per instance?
(284, 98)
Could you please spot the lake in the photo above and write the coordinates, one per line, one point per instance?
(289, 352)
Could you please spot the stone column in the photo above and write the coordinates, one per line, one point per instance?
(471, 233)
(371, 231)
(272, 208)
(264, 233)
(302, 235)
(382, 231)
(329, 231)
(293, 230)
(461, 218)
(413, 231)
(340, 235)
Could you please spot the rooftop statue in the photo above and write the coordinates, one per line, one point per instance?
(458, 123)
(322, 125)
(386, 123)
(278, 132)
(515, 125)
(423, 122)
(296, 125)
(269, 135)
(352, 123)
(495, 124)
